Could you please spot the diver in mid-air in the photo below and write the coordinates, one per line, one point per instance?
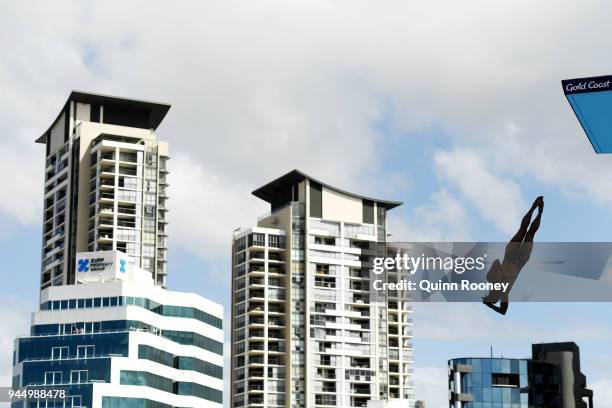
(517, 255)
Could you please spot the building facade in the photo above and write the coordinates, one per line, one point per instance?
(116, 340)
(306, 329)
(105, 185)
(107, 333)
(551, 378)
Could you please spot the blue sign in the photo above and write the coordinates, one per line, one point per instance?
(122, 263)
(83, 265)
(591, 100)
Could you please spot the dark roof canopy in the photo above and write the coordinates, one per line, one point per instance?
(157, 111)
(271, 190)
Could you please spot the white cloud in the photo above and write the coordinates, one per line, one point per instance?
(21, 179)
(466, 321)
(498, 200)
(602, 393)
(15, 321)
(431, 386)
(258, 90)
(206, 207)
(443, 218)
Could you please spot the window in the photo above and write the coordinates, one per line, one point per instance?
(78, 376)
(505, 380)
(240, 258)
(58, 353)
(149, 211)
(87, 351)
(73, 401)
(257, 239)
(148, 251)
(276, 241)
(53, 377)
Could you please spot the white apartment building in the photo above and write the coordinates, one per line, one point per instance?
(116, 340)
(307, 331)
(105, 185)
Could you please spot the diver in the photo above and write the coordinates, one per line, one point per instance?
(517, 255)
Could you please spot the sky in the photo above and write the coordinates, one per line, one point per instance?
(454, 108)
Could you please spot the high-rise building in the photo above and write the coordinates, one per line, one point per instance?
(107, 333)
(105, 185)
(551, 378)
(307, 331)
(116, 340)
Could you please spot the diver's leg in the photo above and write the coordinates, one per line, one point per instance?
(514, 246)
(535, 225)
(520, 234)
(527, 246)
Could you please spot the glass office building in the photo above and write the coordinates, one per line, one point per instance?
(116, 340)
(544, 381)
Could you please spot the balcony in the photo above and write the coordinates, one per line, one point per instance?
(276, 308)
(106, 196)
(256, 281)
(256, 333)
(107, 182)
(275, 334)
(275, 257)
(256, 294)
(126, 157)
(256, 255)
(256, 360)
(258, 321)
(105, 236)
(256, 308)
(256, 268)
(126, 210)
(124, 171)
(276, 322)
(258, 386)
(255, 347)
(106, 171)
(276, 269)
(275, 360)
(276, 347)
(256, 400)
(257, 373)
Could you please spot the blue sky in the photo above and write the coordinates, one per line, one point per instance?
(455, 109)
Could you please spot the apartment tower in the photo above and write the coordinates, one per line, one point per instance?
(307, 331)
(107, 333)
(105, 185)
